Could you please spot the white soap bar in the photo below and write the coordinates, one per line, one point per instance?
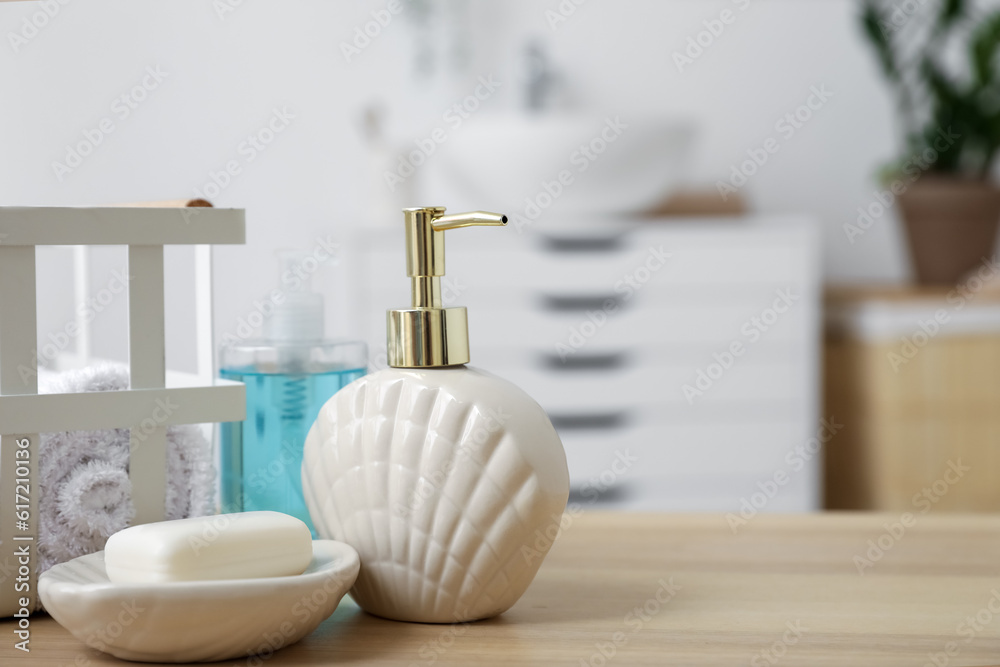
(228, 546)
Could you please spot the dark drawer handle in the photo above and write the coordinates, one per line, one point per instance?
(589, 493)
(589, 420)
(582, 243)
(583, 361)
(561, 303)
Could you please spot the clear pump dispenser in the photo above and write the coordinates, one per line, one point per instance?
(289, 374)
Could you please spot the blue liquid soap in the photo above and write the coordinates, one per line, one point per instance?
(262, 456)
(289, 375)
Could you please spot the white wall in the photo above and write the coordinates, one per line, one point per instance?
(224, 76)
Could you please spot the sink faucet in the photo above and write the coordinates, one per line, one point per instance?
(541, 78)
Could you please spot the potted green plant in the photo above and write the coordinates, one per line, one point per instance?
(951, 128)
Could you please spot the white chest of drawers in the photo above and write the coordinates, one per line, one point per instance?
(606, 326)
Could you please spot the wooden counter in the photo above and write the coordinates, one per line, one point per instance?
(736, 596)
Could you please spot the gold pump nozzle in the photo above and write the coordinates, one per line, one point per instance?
(428, 335)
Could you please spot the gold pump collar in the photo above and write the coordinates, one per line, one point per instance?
(428, 335)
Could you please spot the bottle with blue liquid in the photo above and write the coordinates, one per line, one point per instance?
(289, 374)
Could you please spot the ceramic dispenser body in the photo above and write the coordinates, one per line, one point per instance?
(449, 481)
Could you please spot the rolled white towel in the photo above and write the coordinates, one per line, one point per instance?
(85, 493)
(93, 503)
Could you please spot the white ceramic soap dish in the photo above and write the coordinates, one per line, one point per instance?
(196, 621)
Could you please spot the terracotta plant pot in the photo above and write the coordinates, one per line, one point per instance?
(951, 224)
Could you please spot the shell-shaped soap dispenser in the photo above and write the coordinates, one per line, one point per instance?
(449, 481)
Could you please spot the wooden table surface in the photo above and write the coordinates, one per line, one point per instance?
(660, 589)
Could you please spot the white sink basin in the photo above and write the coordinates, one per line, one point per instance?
(609, 165)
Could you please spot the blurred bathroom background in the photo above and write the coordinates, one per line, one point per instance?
(704, 281)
